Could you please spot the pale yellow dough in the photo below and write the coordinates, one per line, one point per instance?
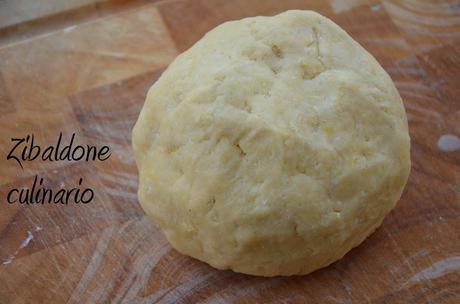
(272, 147)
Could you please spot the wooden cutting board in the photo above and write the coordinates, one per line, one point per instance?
(84, 66)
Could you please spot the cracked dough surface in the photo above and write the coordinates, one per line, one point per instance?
(272, 147)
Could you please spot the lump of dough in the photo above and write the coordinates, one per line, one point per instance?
(272, 147)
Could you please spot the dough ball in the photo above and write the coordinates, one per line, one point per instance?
(272, 147)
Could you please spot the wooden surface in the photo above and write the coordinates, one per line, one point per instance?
(84, 66)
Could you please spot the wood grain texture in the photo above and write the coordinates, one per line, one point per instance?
(39, 74)
(19, 11)
(85, 67)
(25, 19)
